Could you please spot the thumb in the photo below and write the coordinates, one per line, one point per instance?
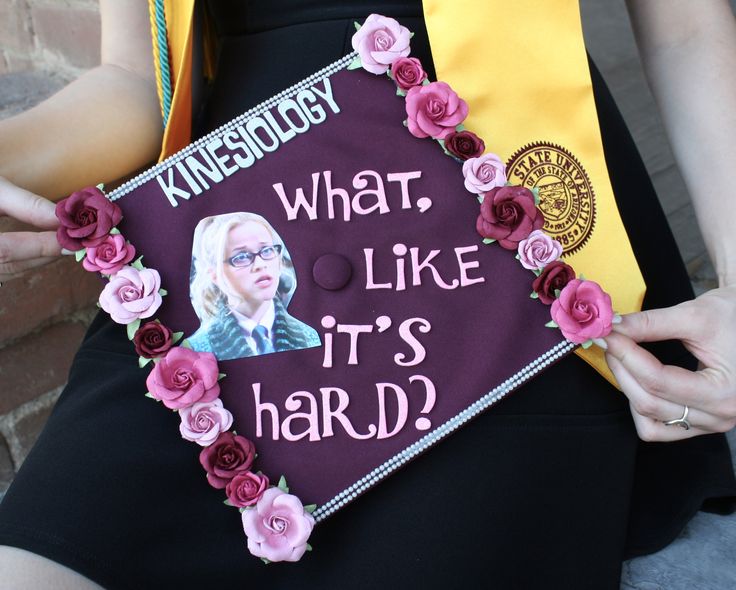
(667, 323)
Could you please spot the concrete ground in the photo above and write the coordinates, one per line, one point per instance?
(702, 557)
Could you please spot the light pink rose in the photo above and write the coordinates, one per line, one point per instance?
(434, 110)
(380, 42)
(538, 250)
(484, 173)
(583, 311)
(278, 527)
(246, 488)
(204, 421)
(109, 256)
(131, 294)
(184, 377)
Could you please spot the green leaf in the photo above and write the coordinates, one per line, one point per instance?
(221, 376)
(551, 324)
(534, 295)
(488, 241)
(185, 344)
(138, 265)
(80, 254)
(425, 82)
(460, 128)
(356, 63)
(101, 186)
(148, 394)
(132, 327)
(282, 485)
(264, 560)
(480, 199)
(400, 92)
(309, 547)
(535, 191)
(411, 35)
(176, 336)
(163, 292)
(310, 508)
(228, 503)
(587, 344)
(582, 277)
(442, 143)
(357, 25)
(537, 272)
(557, 293)
(143, 361)
(114, 231)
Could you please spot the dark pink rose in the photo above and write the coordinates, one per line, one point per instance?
(152, 340)
(464, 145)
(108, 257)
(583, 311)
(434, 110)
(184, 377)
(86, 218)
(407, 72)
(245, 489)
(554, 277)
(131, 294)
(380, 42)
(508, 214)
(225, 458)
(278, 528)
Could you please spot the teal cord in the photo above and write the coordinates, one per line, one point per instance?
(163, 59)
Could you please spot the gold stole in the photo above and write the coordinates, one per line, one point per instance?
(522, 68)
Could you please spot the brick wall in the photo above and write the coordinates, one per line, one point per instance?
(43, 315)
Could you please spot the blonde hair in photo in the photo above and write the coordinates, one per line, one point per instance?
(208, 259)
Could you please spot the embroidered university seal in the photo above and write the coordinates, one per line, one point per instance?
(565, 192)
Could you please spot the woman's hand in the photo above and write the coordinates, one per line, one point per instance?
(23, 250)
(659, 393)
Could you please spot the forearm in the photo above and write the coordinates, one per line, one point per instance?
(101, 127)
(688, 49)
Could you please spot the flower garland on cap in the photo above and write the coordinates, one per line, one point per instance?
(276, 523)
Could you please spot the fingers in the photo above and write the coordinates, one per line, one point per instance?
(650, 412)
(17, 246)
(701, 389)
(26, 206)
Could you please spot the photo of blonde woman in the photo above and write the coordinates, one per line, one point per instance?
(241, 283)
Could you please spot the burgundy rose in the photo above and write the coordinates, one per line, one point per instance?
(86, 218)
(555, 276)
(228, 456)
(245, 489)
(152, 340)
(407, 72)
(464, 145)
(508, 214)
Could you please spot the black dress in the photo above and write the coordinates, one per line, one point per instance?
(549, 489)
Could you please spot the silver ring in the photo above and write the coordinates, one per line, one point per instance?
(680, 421)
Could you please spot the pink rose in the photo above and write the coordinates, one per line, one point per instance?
(86, 218)
(464, 144)
(484, 173)
(380, 42)
(131, 294)
(108, 257)
(434, 110)
(407, 72)
(228, 456)
(204, 421)
(508, 214)
(278, 527)
(583, 311)
(184, 377)
(538, 250)
(553, 278)
(245, 489)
